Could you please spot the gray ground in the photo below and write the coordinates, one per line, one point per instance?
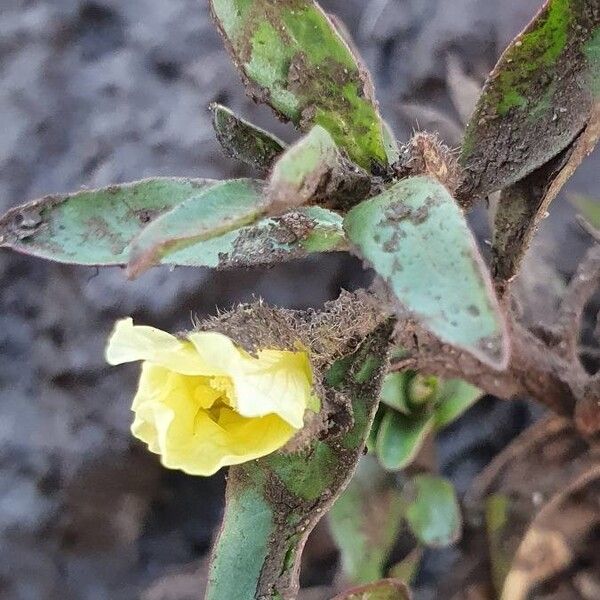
(100, 92)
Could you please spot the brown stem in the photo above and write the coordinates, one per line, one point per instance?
(533, 371)
(545, 367)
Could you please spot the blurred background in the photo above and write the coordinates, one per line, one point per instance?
(97, 92)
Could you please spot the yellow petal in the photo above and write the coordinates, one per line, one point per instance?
(130, 342)
(231, 441)
(171, 420)
(216, 351)
(277, 382)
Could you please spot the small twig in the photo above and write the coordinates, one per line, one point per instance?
(580, 290)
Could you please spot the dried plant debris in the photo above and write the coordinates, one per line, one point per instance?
(514, 488)
(559, 553)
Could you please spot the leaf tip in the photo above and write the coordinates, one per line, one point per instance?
(494, 350)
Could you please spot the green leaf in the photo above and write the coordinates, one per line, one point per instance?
(221, 208)
(422, 389)
(416, 238)
(400, 437)
(537, 99)
(433, 513)
(365, 522)
(95, 227)
(281, 497)
(387, 589)
(269, 241)
(394, 391)
(292, 58)
(455, 397)
(312, 170)
(244, 141)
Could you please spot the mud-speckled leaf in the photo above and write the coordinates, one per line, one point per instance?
(294, 235)
(365, 521)
(312, 170)
(537, 99)
(223, 207)
(400, 437)
(523, 206)
(416, 238)
(93, 227)
(244, 141)
(292, 57)
(386, 589)
(433, 513)
(274, 503)
(454, 398)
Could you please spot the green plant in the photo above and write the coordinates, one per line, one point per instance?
(345, 185)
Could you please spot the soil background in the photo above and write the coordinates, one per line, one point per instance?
(93, 93)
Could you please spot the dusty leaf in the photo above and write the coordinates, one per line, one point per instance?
(365, 521)
(314, 170)
(269, 241)
(537, 99)
(244, 141)
(525, 204)
(96, 227)
(223, 207)
(387, 589)
(292, 57)
(416, 238)
(93, 227)
(433, 513)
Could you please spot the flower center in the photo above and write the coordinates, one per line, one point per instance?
(212, 395)
(224, 385)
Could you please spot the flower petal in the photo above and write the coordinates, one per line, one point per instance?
(231, 441)
(216, 351)
(171, 421)
(130, 342)
(277, 382)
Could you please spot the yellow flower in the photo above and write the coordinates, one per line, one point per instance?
(204, 403)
